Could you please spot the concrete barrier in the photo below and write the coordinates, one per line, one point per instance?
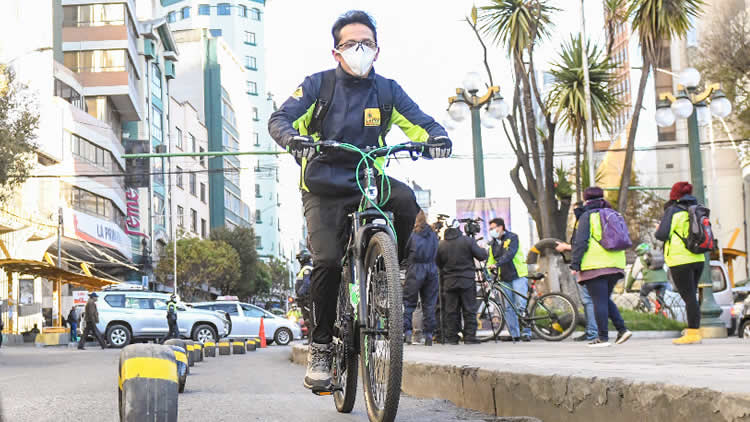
(12, 340)
(52, 339)
(565, 398)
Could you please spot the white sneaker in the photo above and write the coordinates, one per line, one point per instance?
(598, 343)
(623, 336)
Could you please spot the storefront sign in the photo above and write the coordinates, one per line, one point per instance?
(133, 217)
(79, 296)
(101, 232)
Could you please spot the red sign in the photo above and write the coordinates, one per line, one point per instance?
(133, 218)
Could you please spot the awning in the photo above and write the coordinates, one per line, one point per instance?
(50, 272)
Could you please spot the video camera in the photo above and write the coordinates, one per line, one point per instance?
(472, 226)
(441, 218)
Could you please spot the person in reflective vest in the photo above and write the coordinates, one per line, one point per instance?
(302, 287)
(508, 259)
(173, 332)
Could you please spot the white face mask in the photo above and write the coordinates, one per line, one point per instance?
(359, 59)
(494, 233)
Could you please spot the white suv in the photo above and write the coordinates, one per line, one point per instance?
(127, 315)
(245, 321)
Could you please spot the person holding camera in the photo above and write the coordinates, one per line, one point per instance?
(455, 259)
(508, 259)
(421, 278)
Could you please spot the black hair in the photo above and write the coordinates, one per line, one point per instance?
(350, 17)
(498, 222)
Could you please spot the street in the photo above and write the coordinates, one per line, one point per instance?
(61, 384)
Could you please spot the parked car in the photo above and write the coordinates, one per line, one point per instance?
(245, 321)
(128, 315)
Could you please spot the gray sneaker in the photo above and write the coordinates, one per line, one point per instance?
(319, 361)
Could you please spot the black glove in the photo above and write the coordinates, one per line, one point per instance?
(438, 147)
(299, 147)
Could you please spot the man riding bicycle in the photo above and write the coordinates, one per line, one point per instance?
(650, 265)
(350, 104)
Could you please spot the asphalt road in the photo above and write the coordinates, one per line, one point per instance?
(60, 384)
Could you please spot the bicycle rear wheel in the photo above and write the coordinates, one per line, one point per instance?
(345, 355)
(490, 319)
(553, 316)
(381, 342)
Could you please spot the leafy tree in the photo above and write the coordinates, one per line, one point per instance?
(517, 26)
(279, 275)
(615, 14)
(646, 209)
(567, 97)
(255, 276)
(199, 262)
(724, 57)
(19, 119)
(657, 22)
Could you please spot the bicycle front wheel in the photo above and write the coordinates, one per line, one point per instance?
(490, 319)
(553, 316)
(382, 340)
(345, 355)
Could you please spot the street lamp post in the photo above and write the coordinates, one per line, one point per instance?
(486, 110)
(692, 105)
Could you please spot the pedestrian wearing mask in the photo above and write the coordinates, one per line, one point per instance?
(686, 266)
(508, 259)
(421, 278)
(455, 259)
(599, 269)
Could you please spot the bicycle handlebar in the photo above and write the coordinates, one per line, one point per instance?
(375, 152)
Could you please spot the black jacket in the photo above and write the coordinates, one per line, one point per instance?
(504, 256)
(583, 231)
(665, 226)
(455, 258)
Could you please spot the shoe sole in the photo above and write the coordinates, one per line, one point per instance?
(624, 338)
(309, 386)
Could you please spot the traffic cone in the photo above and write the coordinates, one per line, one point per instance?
(262, 335)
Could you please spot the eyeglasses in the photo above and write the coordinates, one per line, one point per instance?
(349, 44)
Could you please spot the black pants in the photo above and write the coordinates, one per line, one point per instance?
(686, 279)
(600, 290)
(647, 288)
(173, 332)
(421, 283)
(328, 229)
(91, 329)
(459, 301)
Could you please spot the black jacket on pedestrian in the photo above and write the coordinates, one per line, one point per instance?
(455, 258)
(421, 252)
(665, 227)
(583, 231)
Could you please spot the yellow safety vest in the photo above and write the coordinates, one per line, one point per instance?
(596, 256)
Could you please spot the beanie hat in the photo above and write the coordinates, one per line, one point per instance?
(593, 192)
(679, 190)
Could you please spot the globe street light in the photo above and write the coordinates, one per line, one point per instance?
(668, 109)
(493, 110)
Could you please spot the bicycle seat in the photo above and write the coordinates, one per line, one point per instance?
(536, 276)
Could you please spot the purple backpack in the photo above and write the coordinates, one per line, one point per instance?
(615, 235)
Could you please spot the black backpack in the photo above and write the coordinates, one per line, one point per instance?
(700, 238)
(325, 96)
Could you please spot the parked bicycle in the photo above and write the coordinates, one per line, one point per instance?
(551, 316)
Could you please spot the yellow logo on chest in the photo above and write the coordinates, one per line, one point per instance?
(372, 117)
(506, 244)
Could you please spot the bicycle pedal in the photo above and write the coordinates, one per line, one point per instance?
(321, 391)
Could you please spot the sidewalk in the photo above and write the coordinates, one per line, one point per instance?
(641, 380)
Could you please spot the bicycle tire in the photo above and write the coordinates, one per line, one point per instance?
(384, 312)
(565, 316)
(496, 315)
(346, 374)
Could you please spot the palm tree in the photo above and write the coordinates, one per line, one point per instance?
(615, 14)
(657, 23)
(517, 26)
(567, 95)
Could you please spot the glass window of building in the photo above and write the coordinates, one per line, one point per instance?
(223, 9)
(228, 113)
(114, 60)
(255, 114)
(180, 216)
(250, 37)
(231, 172)
(178, 141)
(258, 242)
(203, 192)
(251, 62)
(255, 14)
(229, 142)
(185, 12)
(178, 177)
(94, 15)
(215, 32)
(192, 182)
(203, 228)
(172, 17)
(155, 80)
(252, 88)
(156, 124)
(256, 139)
(94, 154)
(202, 158)
(69, 94)
(243, 11)
(204, 9)
(193, 220)
(257, 191)
(192, 143)
(258, 218)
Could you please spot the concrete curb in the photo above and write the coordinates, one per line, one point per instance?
(565, 398)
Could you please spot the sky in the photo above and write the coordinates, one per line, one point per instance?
(428, 48)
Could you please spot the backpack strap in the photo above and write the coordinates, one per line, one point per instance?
(323, 104)
(385, 103)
